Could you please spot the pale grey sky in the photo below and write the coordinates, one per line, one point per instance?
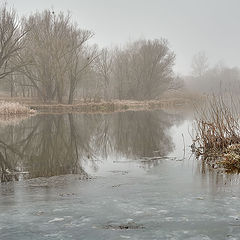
(190, 26)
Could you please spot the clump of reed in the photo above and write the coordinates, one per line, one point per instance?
(217, 132)
(14, 108)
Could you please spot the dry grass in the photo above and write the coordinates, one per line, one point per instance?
(231, 158)
(217, 133)
(109, 106)
(14, 108)
(170, 99)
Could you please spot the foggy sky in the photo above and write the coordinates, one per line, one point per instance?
(190, 26)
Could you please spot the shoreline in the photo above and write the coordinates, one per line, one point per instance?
(170, 99)
(109, 106)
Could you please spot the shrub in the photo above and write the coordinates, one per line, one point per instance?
(217, 132)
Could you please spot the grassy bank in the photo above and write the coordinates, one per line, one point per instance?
(111, 106)
(217, 134)
(14, 108)
(169, 99)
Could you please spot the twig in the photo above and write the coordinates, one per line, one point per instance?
(184, 147)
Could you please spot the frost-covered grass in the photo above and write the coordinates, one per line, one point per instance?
(14, 108)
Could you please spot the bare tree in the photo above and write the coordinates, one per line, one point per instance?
(81, 59)
(57, 55)
(144, 69)
(11, 41)
(104, 69)
(57, 63)
(199, 64)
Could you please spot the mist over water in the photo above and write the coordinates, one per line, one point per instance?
(119, 120)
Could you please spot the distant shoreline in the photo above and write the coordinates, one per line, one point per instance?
(109, 106)
(169, 100)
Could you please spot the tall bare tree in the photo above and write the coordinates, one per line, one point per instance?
(104, 69)
(11, 41)
(81, 59)
(144, 69)
(57, 55)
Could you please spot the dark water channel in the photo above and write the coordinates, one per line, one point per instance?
(111, 176)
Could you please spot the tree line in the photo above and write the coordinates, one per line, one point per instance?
(217, 79)
(48, 57)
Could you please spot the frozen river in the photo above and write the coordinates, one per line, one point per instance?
(112, 176)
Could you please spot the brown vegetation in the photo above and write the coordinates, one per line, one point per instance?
(110, 106)
(217, 134)
(172, 98)
(10, 108)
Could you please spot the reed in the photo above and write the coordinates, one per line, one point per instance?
(217, 132)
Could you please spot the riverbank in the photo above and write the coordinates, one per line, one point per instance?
(169, 99)
(104, 106)
(14, 108)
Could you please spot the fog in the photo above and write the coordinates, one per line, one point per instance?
(189, 25)
(119, 119)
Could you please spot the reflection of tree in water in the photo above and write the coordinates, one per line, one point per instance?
(102, 139)
(49, 145)
(53, 150)
(140, 134)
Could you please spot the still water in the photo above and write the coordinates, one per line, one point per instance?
(128, 175)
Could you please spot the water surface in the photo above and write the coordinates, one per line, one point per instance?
(128, 175)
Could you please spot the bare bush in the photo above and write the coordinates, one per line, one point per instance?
(217, 132)
(217, 125)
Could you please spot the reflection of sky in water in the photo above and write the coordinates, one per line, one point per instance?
(117, 162)
(176, 133)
